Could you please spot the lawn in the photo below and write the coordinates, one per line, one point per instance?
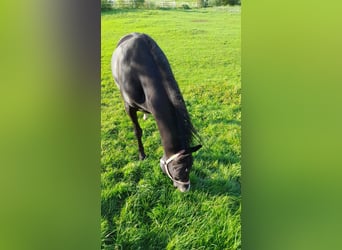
(140, 207)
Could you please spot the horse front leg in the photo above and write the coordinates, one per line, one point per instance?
(132, 112)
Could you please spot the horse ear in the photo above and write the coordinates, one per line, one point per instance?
(195, 148)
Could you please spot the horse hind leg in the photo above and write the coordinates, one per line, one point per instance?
(132, 112)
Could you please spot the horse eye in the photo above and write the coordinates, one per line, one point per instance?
(186, 170)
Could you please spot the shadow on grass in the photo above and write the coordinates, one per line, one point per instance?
(218, 186)
(214, 153)
(234, 122)
(206, 176)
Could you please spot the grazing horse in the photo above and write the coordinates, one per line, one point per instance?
(146, 82)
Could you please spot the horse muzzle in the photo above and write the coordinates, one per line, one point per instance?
(182, 187)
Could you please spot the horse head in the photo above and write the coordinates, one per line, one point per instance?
(177, 167)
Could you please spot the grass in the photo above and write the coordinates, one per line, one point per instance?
(140, 207)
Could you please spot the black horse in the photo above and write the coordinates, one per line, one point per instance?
(146, 82)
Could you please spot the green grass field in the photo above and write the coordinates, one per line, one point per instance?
(140, 207)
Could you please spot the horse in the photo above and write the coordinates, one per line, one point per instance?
(144, 77)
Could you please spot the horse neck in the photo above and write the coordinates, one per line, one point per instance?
(171, 131)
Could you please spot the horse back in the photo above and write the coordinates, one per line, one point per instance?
(136, 72)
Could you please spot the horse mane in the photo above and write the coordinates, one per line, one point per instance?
(174, 94)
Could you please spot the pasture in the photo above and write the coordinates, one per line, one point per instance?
(140, 209)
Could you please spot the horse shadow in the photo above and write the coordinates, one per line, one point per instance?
(209, 180)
